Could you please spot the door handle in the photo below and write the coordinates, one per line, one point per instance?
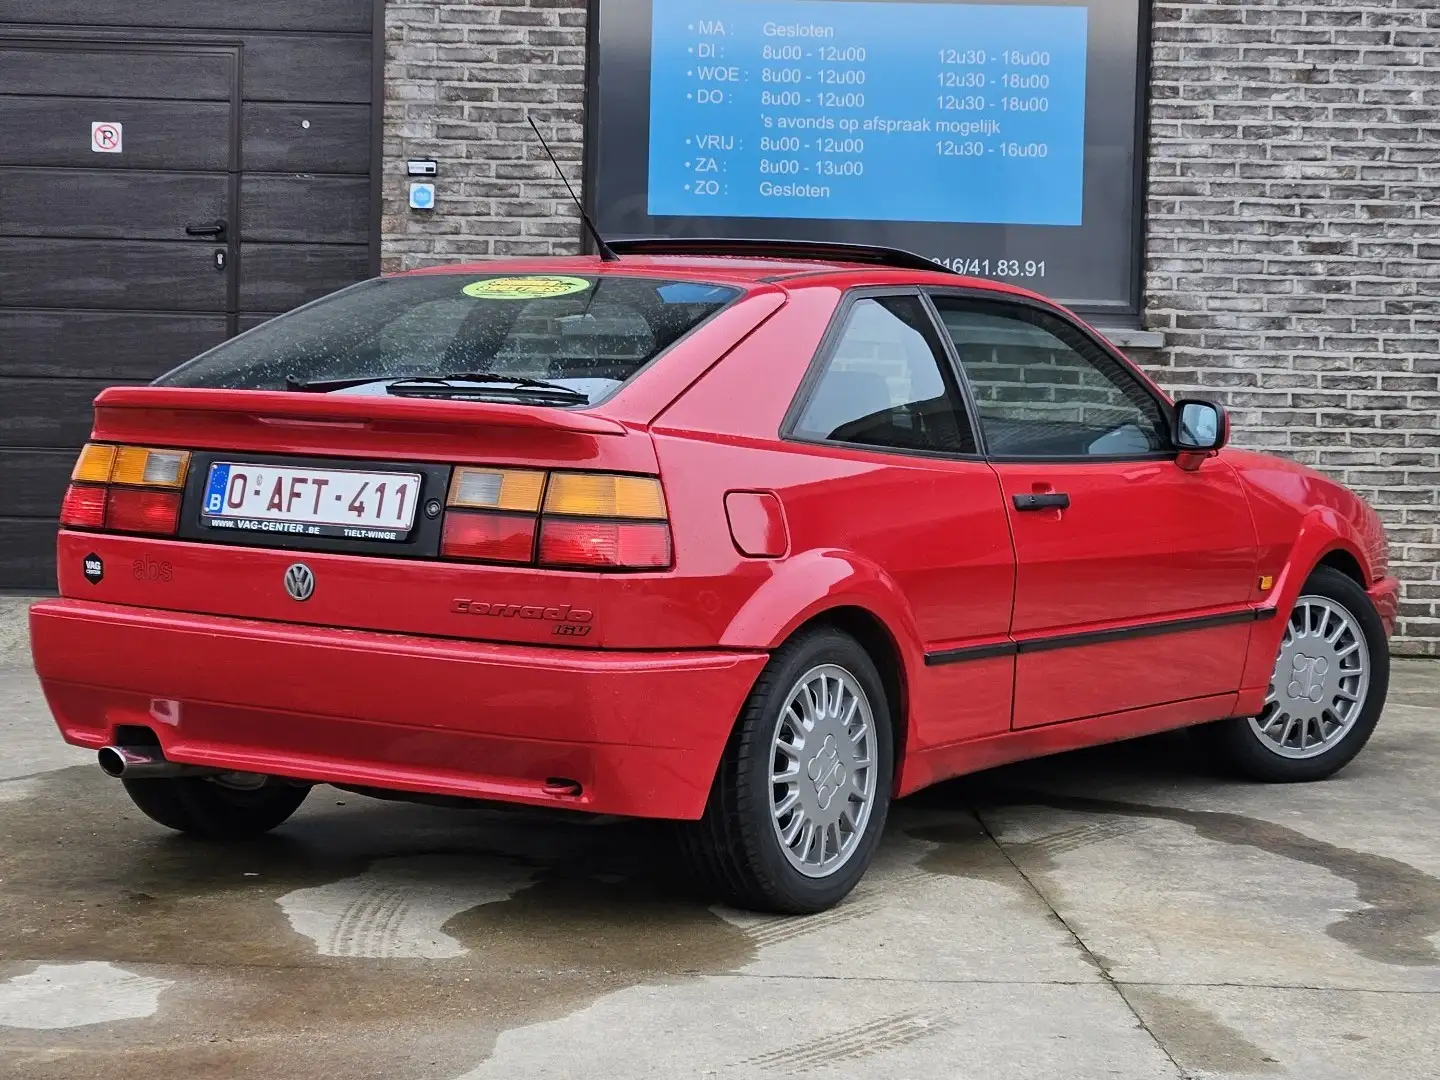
(210, 228)
(1052, 500)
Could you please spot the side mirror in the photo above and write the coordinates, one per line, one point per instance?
(1201, 427)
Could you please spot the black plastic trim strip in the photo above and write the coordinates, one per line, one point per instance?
(972, 652)
(1125, 633)
(1097, 637)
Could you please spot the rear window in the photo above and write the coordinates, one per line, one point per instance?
(586, 334)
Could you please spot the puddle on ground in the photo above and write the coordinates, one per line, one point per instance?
(1402, 903)
(363, 939)
(1197, 1039)
(963, 848)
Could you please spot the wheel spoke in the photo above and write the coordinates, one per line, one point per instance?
(785, 805)
(790, 833)
(807, 840)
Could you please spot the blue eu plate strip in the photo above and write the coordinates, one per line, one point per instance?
(215, 489)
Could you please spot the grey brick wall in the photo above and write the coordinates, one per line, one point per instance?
(1293, 259)
(459, 80)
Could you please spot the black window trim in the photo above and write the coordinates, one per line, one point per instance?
(1002, 301)
(825, 351)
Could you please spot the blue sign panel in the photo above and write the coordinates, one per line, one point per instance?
(868, 111)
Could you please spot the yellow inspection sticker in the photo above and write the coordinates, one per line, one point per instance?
(528, 287)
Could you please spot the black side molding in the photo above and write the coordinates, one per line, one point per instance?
(973, 652)
(1097, 637)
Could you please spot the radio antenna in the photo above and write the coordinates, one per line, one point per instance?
(606, 254)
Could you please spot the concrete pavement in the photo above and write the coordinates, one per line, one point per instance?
(1113, 913)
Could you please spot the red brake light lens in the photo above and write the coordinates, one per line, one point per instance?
(631, 545)
(84, 507)
(508, 538)
(141, 511)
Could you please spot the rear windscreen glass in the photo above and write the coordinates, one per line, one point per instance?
(586, 334)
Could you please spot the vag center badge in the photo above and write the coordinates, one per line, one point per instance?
(300, 582)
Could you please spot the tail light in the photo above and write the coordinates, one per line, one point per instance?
(140, 511)
(605, 544)
(126, 489)
(578, 520)
(84, 507)
(507, 538)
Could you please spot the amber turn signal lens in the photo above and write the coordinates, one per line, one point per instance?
(94, 464)
(84, 507)
(497, 489)
(606, 496)
(614, 544)
(140, 467)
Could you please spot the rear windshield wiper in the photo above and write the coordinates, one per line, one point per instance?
(455, 384)
(325, 386)
(462, 383)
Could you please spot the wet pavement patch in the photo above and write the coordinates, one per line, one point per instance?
(963, 848)
(1402, 903)
(362, 939)
(1195, 1038)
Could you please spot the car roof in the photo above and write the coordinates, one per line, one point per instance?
(746, 263)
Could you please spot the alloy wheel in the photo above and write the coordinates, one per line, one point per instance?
(1321, 678)
(822, 771)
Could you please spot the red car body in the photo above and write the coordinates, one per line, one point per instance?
(1000, 635)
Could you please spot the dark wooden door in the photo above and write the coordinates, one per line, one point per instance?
(254, 112)
(100, 281)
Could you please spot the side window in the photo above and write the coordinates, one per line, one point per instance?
(884, 384)
(1042, 389)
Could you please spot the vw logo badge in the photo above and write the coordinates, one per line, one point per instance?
(300, 582)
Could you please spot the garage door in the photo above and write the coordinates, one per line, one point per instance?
(162, 187)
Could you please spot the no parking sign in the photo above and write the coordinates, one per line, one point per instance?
(106, 138)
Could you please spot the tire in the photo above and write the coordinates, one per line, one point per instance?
(736, 850)
(205, 808)
(1241, 744)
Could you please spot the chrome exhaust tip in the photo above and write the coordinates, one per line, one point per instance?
(144, 763)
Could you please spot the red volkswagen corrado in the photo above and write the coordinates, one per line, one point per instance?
(754, 537)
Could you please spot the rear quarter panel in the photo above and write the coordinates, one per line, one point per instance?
(861, 529)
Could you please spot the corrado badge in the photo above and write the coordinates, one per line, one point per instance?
(569, 622)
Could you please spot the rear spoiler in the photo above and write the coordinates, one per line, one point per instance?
(353, 411)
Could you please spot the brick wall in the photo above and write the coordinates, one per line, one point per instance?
(1294, 245)
(1293, 258)
(459, 80)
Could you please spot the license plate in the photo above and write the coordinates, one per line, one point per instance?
(310, 502)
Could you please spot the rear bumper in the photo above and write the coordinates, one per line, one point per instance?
(641, 732)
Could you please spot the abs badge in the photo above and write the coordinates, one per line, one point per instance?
(528, 287)
(300, 581)
(94, 569)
